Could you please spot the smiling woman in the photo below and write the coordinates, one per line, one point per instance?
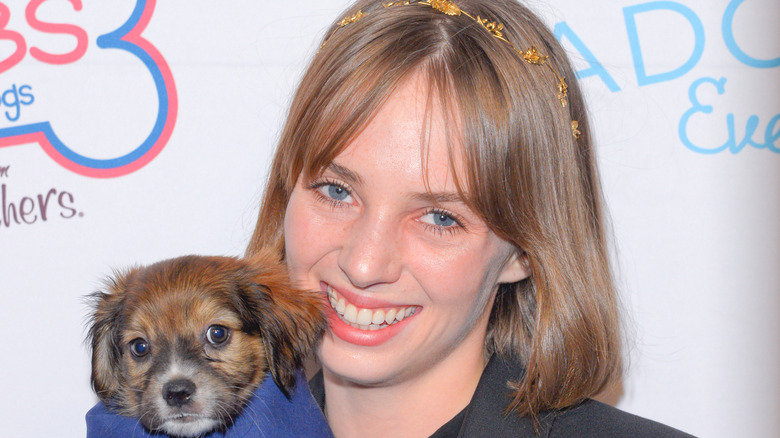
(435, 181)
(371, 233)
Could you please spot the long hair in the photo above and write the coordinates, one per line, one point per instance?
(534, 184)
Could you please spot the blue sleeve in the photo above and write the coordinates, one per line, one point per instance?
(268, 413)
(102, 423)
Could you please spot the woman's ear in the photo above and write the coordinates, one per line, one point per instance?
(515, 269)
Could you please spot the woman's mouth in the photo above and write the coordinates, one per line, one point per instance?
(367, 319)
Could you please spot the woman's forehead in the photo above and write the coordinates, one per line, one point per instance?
(412, 131)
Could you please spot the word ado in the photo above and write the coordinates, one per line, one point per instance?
(563, 30)
(595, 68)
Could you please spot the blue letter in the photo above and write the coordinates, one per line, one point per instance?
(563, 29)
(633, 38)
(13, 92)
(706, 109)
(23, 93)
(771, 134)
(731, 43)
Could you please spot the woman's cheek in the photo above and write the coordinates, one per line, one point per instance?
(443, 259)
(297, 229)
(309, 233)
(457, 272)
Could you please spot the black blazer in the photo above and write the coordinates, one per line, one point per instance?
(484, 416)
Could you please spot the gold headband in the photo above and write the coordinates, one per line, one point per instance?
(531, 55)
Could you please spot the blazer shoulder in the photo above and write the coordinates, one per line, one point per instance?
(595, 419)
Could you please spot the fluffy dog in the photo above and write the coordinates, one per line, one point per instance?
(182, 344)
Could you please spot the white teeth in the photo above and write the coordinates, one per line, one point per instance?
(364, 317)
(379, 317)
(390, 316)
(368, 319)
(351, 314)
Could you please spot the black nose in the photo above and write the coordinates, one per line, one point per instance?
(178, 392)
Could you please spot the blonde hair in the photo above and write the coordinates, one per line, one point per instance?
(534, 184)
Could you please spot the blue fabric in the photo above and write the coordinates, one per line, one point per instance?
(268, 414)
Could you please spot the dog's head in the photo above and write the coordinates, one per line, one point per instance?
(182, 344)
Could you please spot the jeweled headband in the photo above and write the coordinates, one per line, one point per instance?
(530, 55)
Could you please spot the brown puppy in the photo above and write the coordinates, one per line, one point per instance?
(182, 344)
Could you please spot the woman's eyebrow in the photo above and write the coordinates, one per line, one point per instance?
(346, 174)
(438, 197)
(428, 197)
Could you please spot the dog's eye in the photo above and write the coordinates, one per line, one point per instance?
(139, 347)
(217, 334)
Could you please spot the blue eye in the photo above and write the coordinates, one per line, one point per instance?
(336, 192)
(440, 219)
(217, 334)
(139, 347)
(443, 220)
(333, 192)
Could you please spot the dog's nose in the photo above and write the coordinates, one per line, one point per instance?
(178, 392)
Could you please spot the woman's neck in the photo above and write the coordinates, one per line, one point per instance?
(412, 407)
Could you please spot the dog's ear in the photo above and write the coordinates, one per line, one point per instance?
(104, 338)
(291, 321)
(293, 325)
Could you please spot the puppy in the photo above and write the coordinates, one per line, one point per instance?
(183, 344)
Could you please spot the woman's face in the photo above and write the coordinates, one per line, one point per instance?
(411, 272)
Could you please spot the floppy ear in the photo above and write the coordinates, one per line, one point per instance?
(290, 320)
(104, 338)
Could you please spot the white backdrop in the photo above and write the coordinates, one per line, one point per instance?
(114, 153)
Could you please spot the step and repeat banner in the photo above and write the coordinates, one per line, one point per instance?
(136, 130)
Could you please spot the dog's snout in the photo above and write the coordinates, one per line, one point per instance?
(178, 392)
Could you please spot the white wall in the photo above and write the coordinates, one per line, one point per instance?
(697, 230)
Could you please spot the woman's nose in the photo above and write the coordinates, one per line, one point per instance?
(370, 255)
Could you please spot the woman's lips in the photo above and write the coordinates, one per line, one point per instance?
(365, 326)
(367, 319)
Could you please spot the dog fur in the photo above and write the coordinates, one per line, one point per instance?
(182, 344)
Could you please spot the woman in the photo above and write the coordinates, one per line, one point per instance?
(435, 179)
